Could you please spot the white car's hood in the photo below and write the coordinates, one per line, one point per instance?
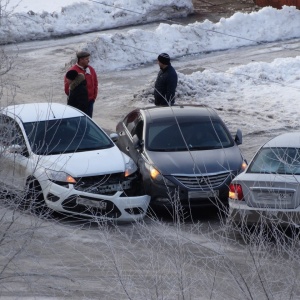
(91, 163)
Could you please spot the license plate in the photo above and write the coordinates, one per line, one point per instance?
(203, 194)
(285, 196)
(92, 203)
(273, 197)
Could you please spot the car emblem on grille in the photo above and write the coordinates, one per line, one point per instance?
(201, 180)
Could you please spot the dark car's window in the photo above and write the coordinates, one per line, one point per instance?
(131, 121)
(276, 161)
(194, 135)
(66, 136)
(138, 130)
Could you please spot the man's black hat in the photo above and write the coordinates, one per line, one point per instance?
(164, 58)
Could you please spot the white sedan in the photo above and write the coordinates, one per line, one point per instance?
(55, 157)
(269, 189)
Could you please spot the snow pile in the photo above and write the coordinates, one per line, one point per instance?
(126, 50)
(89, 16)
(255, 97)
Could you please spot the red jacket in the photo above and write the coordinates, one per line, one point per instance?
(91, 80)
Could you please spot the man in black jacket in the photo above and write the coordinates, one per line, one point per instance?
(166, 82)
(78, 93)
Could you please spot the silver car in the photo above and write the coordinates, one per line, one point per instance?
(268, 190)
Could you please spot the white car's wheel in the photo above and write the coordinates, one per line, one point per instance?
(34, 199)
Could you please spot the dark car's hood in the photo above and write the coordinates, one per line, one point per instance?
(205, 161)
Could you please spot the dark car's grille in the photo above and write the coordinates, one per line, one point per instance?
(203, 181)
(106, 184)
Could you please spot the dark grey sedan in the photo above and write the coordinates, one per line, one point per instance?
(184, 153)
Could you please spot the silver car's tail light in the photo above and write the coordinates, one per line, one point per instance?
(236, 192)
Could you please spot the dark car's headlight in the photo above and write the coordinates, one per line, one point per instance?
(59, 177)
(244, 165)
(156, 176)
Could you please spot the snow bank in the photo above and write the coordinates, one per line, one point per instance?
(135, 47)
(85, 17)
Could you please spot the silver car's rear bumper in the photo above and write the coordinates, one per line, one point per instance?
(240, 213)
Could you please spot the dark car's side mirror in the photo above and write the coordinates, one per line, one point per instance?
(238, 137)
(137, 143)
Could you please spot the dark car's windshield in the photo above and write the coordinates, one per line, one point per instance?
(276, 161)
(193, 134)
(65, 136)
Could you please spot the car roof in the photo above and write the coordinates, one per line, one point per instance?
(32, 112)
(180, 111)
(289, 139)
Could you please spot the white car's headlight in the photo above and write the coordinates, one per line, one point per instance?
(130, 167)
(59, 176)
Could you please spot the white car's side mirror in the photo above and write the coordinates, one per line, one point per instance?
(15, 149)
(114, 136)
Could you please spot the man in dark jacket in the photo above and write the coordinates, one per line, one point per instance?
(78, 93)
(166, 82)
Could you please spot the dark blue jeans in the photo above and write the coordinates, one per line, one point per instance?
(90, 108)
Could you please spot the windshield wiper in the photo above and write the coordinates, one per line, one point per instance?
(92, 148)
(158, 150)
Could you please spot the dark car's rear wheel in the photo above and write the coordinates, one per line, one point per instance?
(34, 199)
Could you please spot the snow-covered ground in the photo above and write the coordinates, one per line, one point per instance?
(23, 20)
(266, 94)
(40, 6)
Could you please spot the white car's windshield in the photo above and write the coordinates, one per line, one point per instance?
(66, 136)
(277, 161)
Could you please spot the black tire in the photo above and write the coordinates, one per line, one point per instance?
(34, 200)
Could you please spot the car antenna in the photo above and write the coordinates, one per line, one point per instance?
(52, 112)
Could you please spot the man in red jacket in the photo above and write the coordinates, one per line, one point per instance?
(82, 66)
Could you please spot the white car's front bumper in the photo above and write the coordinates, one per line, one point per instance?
(114, 207)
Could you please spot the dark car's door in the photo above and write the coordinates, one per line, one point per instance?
(137, 146)
(130, 130)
